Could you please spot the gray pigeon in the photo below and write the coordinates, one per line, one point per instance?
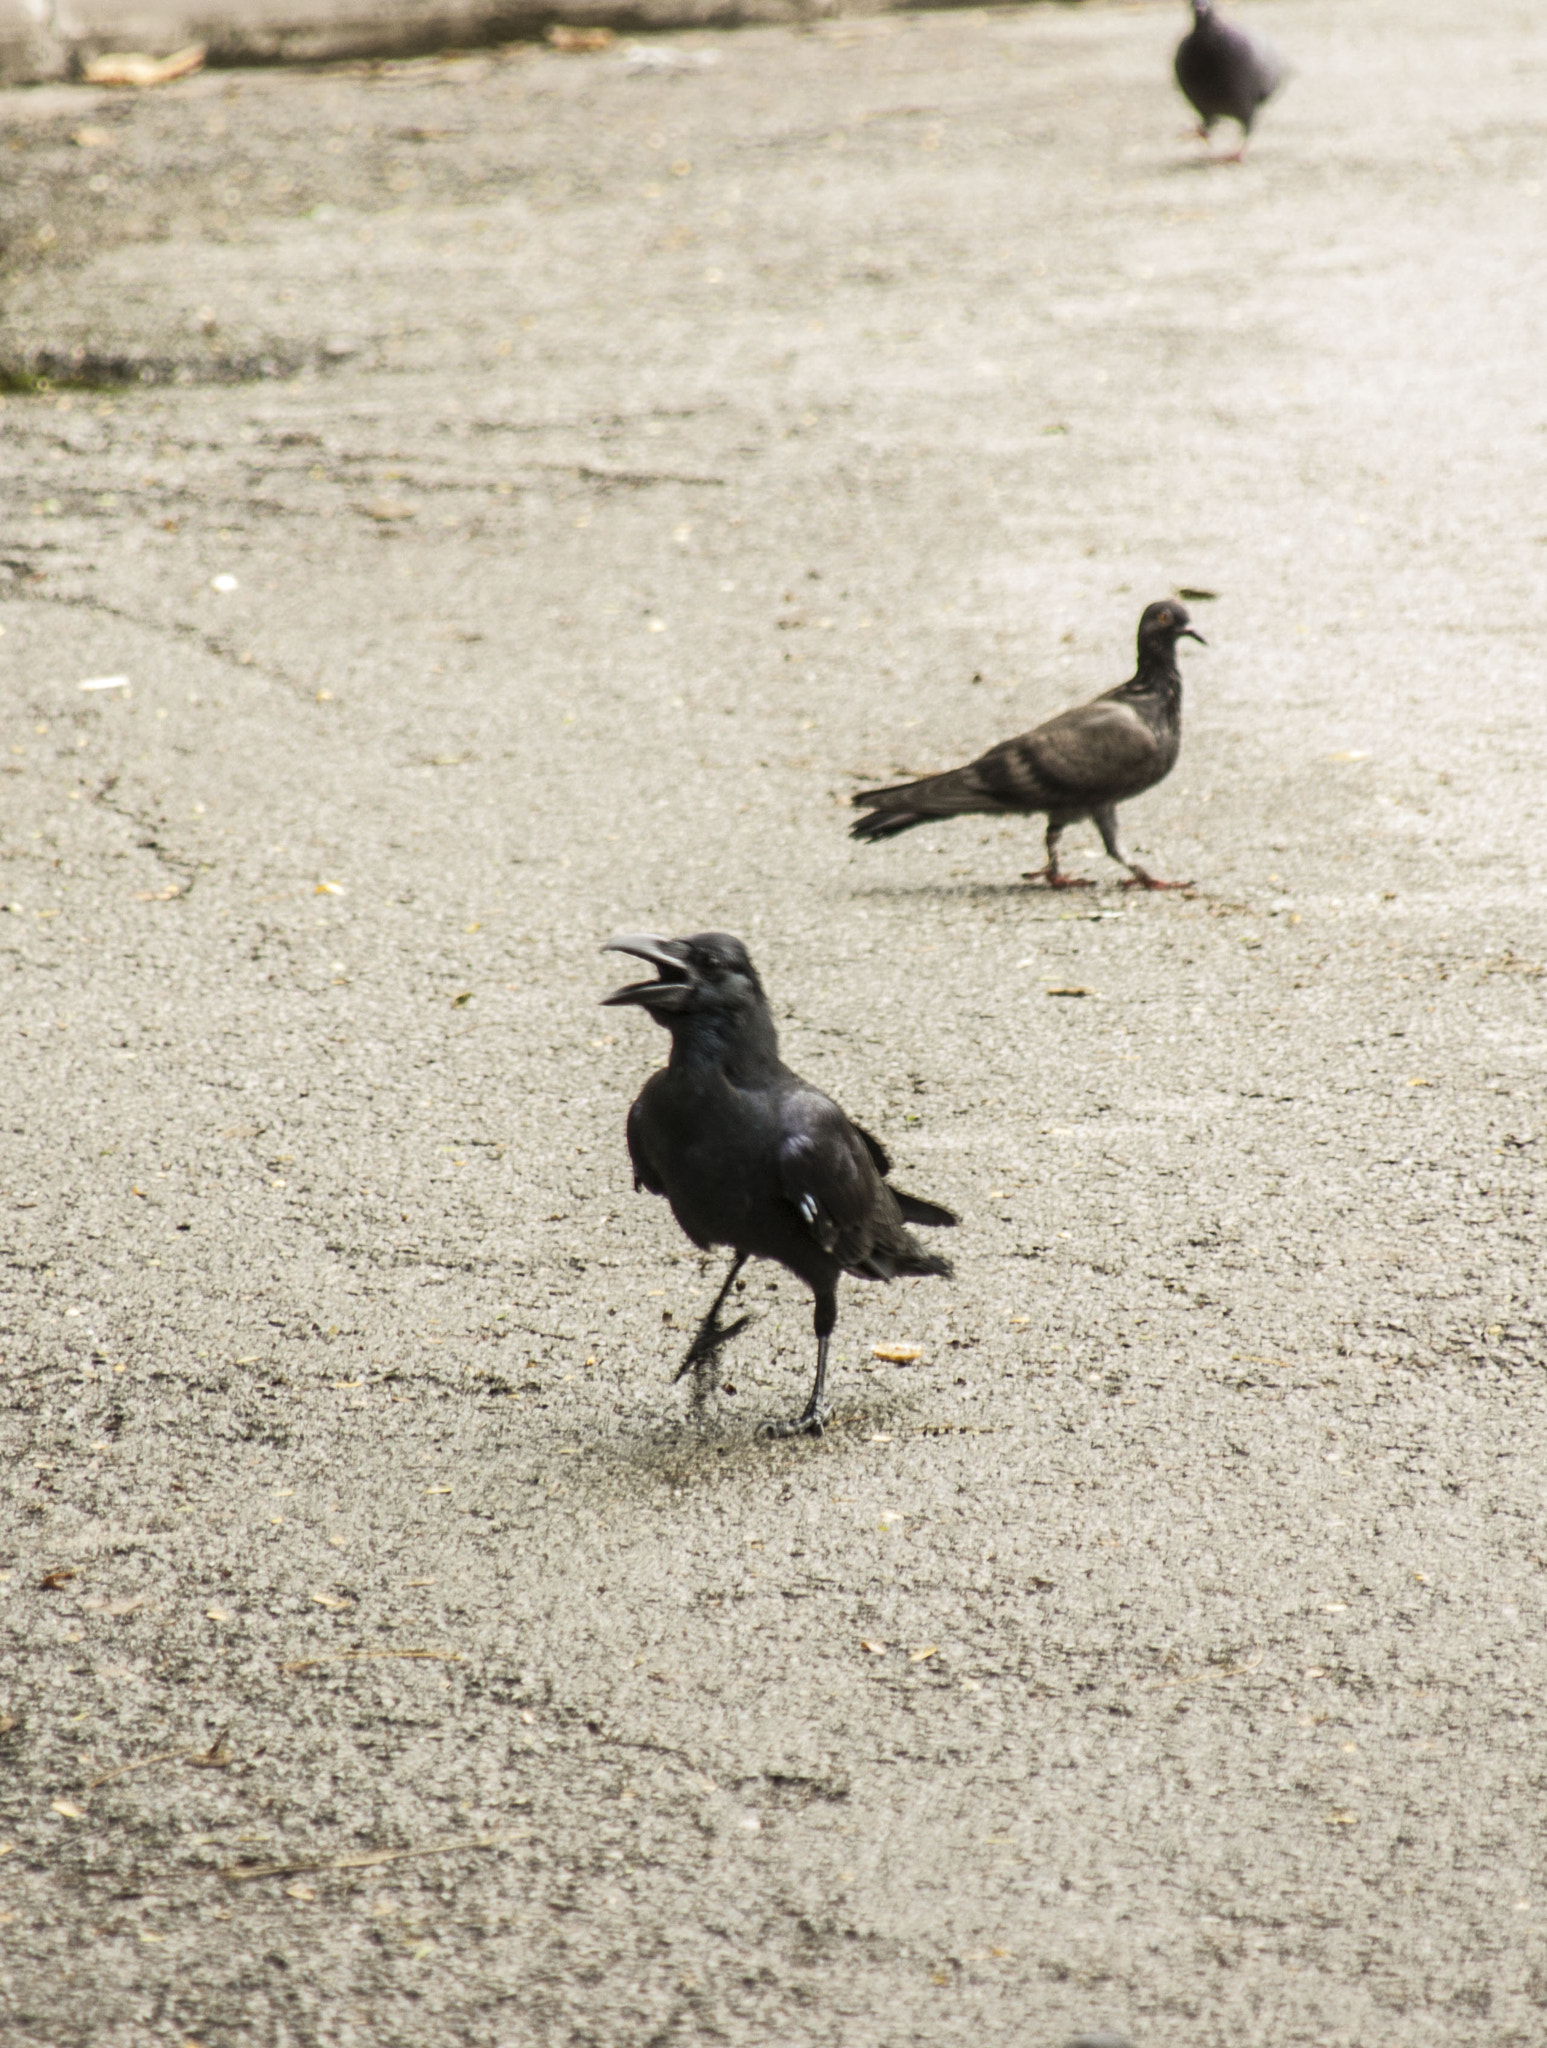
(1225, 72)
(1081, 764)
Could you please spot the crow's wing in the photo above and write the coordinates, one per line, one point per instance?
(914, 1207)
(645, 1173)
(827, 1173)
(877, 1151)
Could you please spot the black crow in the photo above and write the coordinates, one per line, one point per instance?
(751, 1156)
(1081, 764)
(1226, 72)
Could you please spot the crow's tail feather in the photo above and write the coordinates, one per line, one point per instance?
(916, 1261)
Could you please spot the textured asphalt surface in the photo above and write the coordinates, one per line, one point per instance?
(647, 459)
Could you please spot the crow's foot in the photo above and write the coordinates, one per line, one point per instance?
(1055, 878)
(812, 1423)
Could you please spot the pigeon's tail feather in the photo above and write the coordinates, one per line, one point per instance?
(907, 804)
(884, 823)
(916, 1210)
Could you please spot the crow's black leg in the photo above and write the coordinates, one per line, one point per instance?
(816, 1416)
(712, 1333)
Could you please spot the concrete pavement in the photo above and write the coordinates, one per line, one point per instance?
(525, 495)
(40, 41)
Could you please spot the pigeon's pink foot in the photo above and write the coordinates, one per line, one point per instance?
(1055, 878)
(1139, 879)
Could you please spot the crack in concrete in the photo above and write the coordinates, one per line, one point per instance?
(179, 629)
(187, 871)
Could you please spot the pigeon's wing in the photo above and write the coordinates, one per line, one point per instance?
(827, 1173)
(1267, 68)
(1088, 755)
(646, 1174)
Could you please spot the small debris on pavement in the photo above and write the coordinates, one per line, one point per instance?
(647, 57)
(136, 67)
(576, 41)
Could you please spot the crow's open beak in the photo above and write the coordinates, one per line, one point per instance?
(663, 955)
(1187, 633)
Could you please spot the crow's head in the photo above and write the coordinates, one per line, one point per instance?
(1162, 625)
(706, 975)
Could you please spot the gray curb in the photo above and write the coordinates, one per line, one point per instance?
(51, 39)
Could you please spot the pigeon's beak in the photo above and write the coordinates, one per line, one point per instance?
(1187, 633)
(664, 955)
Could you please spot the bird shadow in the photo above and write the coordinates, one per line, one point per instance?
(704, 1448)
(964, 892)
(1032, 894)
(1191, 166)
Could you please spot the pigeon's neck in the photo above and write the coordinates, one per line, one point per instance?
(1157, 678)
(741, 1044)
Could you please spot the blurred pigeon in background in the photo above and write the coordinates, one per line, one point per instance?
(1225, 72)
